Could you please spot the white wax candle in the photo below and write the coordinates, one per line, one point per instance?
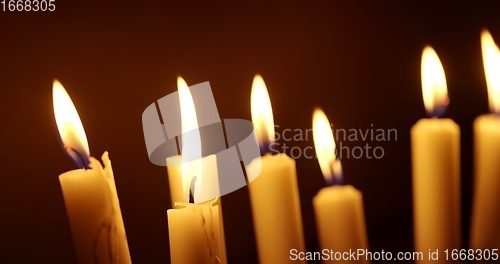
(274, 193)
(178, 198)
(435, 145)
(485, 233)
(195, 234)
(276, 212)
(90, 195)
(485, 227)
(338, 209)
(94, 214)
(340, 219)
(196, 231)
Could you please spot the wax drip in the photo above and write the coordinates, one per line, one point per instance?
(209, 233)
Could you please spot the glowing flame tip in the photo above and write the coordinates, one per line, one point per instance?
(491, 62)
(324, 143)
(262, 113)
(434, 89)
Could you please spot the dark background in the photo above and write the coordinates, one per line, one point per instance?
(359, 61)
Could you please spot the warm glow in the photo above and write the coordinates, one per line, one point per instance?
(191, 140)
(262, 113)
(434, 88)
(491, 61)
(70, 126)
(324, 144)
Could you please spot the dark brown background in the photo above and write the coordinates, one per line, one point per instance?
(360, 61)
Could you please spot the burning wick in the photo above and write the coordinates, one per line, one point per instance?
(80, 160)
(191, 190)
(440, 109)
(336, 172)
(266, 148)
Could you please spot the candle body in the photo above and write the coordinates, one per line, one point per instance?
(340, 220)
(195, 233)
(435, 145)
(94, 214)
(174, 171)
(276, 209)
(485, 230)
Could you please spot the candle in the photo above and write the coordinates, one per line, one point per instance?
(435, 145)
(274, 193)
(339, 209)
(196, 232)
(90, 193)
(485, 229)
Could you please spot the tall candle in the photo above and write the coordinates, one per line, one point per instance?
(435, 145)
(485, 229)
(338, 208)
(193, 233)
(89, 194)
(274, 193)
(196, 231)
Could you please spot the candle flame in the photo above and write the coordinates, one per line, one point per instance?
(324, 143)
(262, 112)
(491, 61)
(70, 126)
(191, 140)
(434, 90)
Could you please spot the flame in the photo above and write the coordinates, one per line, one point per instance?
(324, 143)
(434, 88)
(491, 61)
(262, 112)
(191, 140)
(70, 126)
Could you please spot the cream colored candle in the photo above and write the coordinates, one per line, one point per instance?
(94, 214)
(435, 145)
(274, 193)
(196, 231)
(89, 194)
(485, 229)
(179, 201)
(339, 212)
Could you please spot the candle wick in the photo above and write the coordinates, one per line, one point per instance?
(191, 197)
(337, 175)
(78, 158)
(267, 148)
(191, 189)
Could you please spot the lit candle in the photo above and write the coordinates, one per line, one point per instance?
(435, 145)
(196, 231)
(274, 193)
(338, 208)
(89, 193)
(485, 230)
